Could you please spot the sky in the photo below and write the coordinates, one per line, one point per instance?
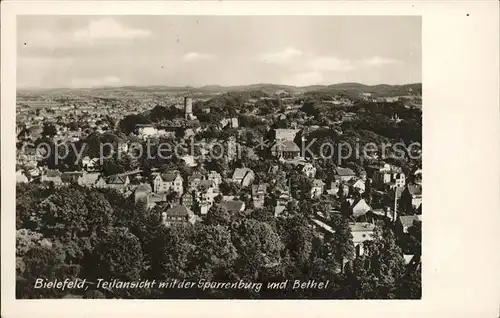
(94, 51)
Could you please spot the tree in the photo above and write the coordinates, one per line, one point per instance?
(414, 238)
(214, 253)
(118, 255)
(170, 253)
(343, 246)
(41, 262)
(258, 246)
(297, 238)
(49, 130)
(229, 188)
(376, 274)
(218, 215)
(346, 210)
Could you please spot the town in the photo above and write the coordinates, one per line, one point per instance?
(242, 193)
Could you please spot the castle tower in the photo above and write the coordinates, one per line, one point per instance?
(188, 108)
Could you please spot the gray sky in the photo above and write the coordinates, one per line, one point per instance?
(89, 51)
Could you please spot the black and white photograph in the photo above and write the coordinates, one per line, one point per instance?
(219, 157)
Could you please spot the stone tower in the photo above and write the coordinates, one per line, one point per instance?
(188, 108)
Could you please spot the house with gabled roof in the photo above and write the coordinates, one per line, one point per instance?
(89, 179)
(170, 181)
(142, 193)
(404, 222)
(119, 182)
(317, 189)
(259, 192)
(53, 176)
(194, 180)
(357, 184)
(361, 232)
(21, 177)
(344, 174)
(286, 149)
(243, 176)
(177, 214)
(359, 206)
(412, 194)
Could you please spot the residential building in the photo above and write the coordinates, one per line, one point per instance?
(194, 180)
(53, 176)
(215, 177)
(143, 194)
(361, 232)
(90, 164)
(344, 174)
(187, 200)
(171, 181)
(243, 176)
(206, 192)
(88, 179)
(317, 188)
(412, 194)
(286, 149)
(259, 194)
(404, 222)
(178, 215)
(118, 182)
(234, 205)
(303, 166)
(146, 131)
(21, 177)
(359, 206)
(336, 185)
(357, 184)
(285, 134)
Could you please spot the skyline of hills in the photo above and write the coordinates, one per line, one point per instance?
(268, 88)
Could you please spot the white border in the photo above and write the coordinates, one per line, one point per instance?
(461, 271)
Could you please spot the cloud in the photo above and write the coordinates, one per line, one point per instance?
(281, 57)
(378, 61)
(196, 56)
(106, 29)
(95, 82)
(95, 32)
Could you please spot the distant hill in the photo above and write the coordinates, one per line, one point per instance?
(268, 89)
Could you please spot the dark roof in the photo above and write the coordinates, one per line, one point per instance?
(206, 183)
(116, 179)
(409, 220)
(414, 189)
(169, 176)
(233, 205)
(178, 210)
(285, 145)
(240, 173)
(53, 173)
(143, 188)
(362, 226)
